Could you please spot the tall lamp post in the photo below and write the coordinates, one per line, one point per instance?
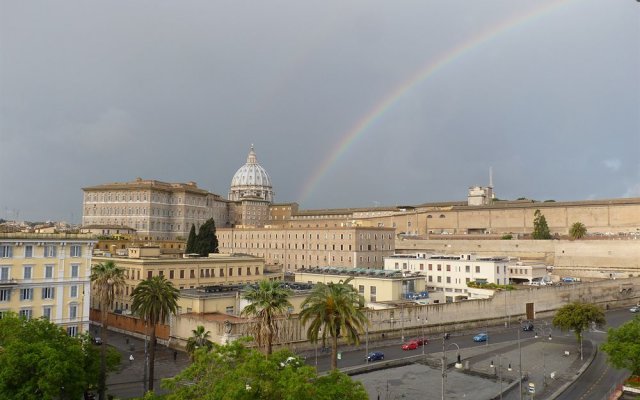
(544, 331)
(444, 363)
(499, 370)
(422, 322)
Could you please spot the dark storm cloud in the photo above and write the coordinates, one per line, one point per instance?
(108, 91)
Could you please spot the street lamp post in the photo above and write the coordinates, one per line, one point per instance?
(499, 371)
(366, 341)
(545, 331)
(444, 363)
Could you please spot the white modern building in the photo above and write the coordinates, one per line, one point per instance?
(450, 274)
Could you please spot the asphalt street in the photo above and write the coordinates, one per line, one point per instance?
(421, 376)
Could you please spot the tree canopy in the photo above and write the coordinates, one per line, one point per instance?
(268, 302)
(578, 230)
(206, 241)
(578, 317)
(234, 371)
(199, 339)
(332, 309)
(540, 227)
(623, 346)
(38, 360)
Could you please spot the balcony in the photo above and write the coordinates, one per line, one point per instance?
(8, 283)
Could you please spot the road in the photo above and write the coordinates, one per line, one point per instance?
(596, 382)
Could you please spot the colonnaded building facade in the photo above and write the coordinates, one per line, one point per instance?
(249, 221)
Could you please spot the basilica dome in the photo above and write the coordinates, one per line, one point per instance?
(251, 181)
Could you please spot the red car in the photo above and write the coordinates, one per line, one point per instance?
(412, 345)
(421, 341)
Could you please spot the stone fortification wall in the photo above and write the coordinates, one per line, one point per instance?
(412, 319)
(588, 256)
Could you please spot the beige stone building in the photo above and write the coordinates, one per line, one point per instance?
(296, 246)
(47, 275)
(376, 286)
(142, 263)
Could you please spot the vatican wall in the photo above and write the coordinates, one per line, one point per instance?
(618, 215)
(411, 319)
(577, 257)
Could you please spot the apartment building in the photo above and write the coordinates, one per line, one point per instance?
(47, 275)
(296, 246)
(141, 263)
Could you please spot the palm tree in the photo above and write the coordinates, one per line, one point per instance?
(154, 299)
(268, 301)
(199, 339)
(334, 308)
(108, 280)
(577, 230)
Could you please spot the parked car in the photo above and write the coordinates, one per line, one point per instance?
(527, 326)
(412, 345)
(481, 337)
(375, 356)
(97, 340)
(634, 309)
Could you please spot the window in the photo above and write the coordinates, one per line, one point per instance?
(430, 278)
(73, 291)
(372, 291)
(239, 271)
(4, 273)
(5, 294)
(50, 250)
(439, 279)
(6, 251)
(73, 311)
(477, 269)
(27, 272)
(46, 312)
(48, 271)
(467, 269)
(26, 294)
(74, 271)
(430, 267)
(361, 289)
(181, 274)
(230, 271)
(448, 279)
(257, 270)
(76, 250)
(72, 331)
(26, 313)
(229, 310)
(448, 268)
(149, 274)
(439, 267)
(48, 293)
(28, 251)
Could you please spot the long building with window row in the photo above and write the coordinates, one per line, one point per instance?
(47, 275)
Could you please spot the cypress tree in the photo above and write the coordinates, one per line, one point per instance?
(540, 227)
(206, 240)
(191, 242)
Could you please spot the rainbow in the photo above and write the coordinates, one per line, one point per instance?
(428, 70)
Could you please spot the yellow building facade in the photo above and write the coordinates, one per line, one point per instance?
(185, 273)
(47, 275)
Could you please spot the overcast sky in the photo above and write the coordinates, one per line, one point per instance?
(545, 92)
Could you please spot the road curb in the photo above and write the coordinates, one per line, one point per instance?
(584, 367)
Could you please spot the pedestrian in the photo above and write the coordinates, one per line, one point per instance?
(175, 355)
(127, 339)
(130, 358)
